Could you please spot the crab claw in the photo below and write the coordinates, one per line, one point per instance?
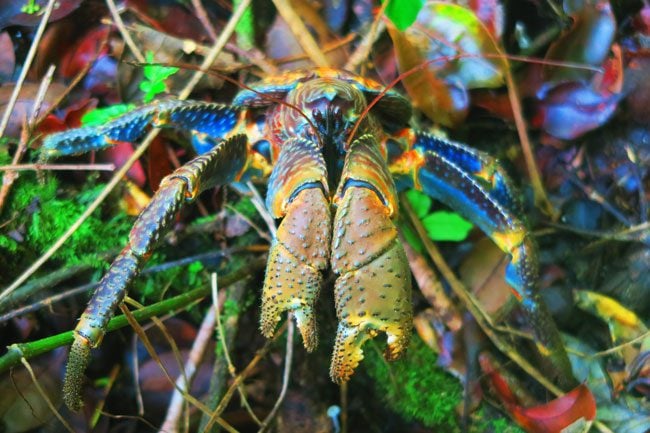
(298, 256)
(373, 292)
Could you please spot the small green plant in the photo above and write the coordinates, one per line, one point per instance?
(440, 225)
(403, 13)
(154, 83)
(155, 76)
(31, 7)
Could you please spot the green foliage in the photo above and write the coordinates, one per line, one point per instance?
(31, 7)
(42, 213)
(414, 386)
(99, 116)
(155, 76)
(403, 12)
(152, 85)
(245, 30)
(440, 225)
(446, 226)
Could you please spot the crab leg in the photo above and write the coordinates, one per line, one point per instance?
(373, 290)
(219, 166)
(202, 118)
(297, 192)
(474, 185)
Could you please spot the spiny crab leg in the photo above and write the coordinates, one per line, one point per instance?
(218, 167)
(299, 254)
(373, 290)
(473, 184)
(211, 119)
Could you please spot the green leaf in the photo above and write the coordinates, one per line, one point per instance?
(419, 201)
(155, 76)
(403, 12)
(157, 72)
(446, 226)
(99, 116)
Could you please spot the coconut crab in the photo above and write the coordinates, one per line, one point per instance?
(336, 149)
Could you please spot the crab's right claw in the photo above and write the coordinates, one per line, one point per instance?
(300, 252)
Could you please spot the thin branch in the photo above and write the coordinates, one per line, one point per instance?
(258, 202)
(26, 66)
(10, 176)
(117, 19)
(362, 52)
(240, 378)
(44, 345)
(45, 397)
(301, 33)
(288, 357)
(58, 167)
(203, 337)
(226, 353)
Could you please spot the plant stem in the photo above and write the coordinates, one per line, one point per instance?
(44, 345)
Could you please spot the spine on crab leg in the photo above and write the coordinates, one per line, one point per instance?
(217, 167)
(297, 192)
(210, 119)
(373, 289)
(473, 184)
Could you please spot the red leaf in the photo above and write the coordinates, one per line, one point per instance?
(87, 49)
(118, 155)
(71, 117)
(7, 57)
(572, 109)
(490, 12)
(159, 165)
(559, 413)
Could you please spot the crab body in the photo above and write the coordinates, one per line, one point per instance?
(332, 145)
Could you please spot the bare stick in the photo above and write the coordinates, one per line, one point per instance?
(26, 65)
(194, 359)
(363, 50)
(10, 177)
(285, 376)
(301, 33)
(123, 31)
(226, 353)
(58, 167)
(45, 397)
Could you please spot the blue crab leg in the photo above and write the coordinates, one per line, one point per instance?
(299, 254)
(201, 118)
(373, 289)
(219, 166)
(474, 185)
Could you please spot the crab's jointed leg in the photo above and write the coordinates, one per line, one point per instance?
(473, 184)
(219, 166)
(201, 118)
(297, 192)
(373, 289)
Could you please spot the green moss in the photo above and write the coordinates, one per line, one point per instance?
(414, 386)
(38, 214)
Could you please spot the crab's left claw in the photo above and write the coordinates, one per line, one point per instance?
(373, 290)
